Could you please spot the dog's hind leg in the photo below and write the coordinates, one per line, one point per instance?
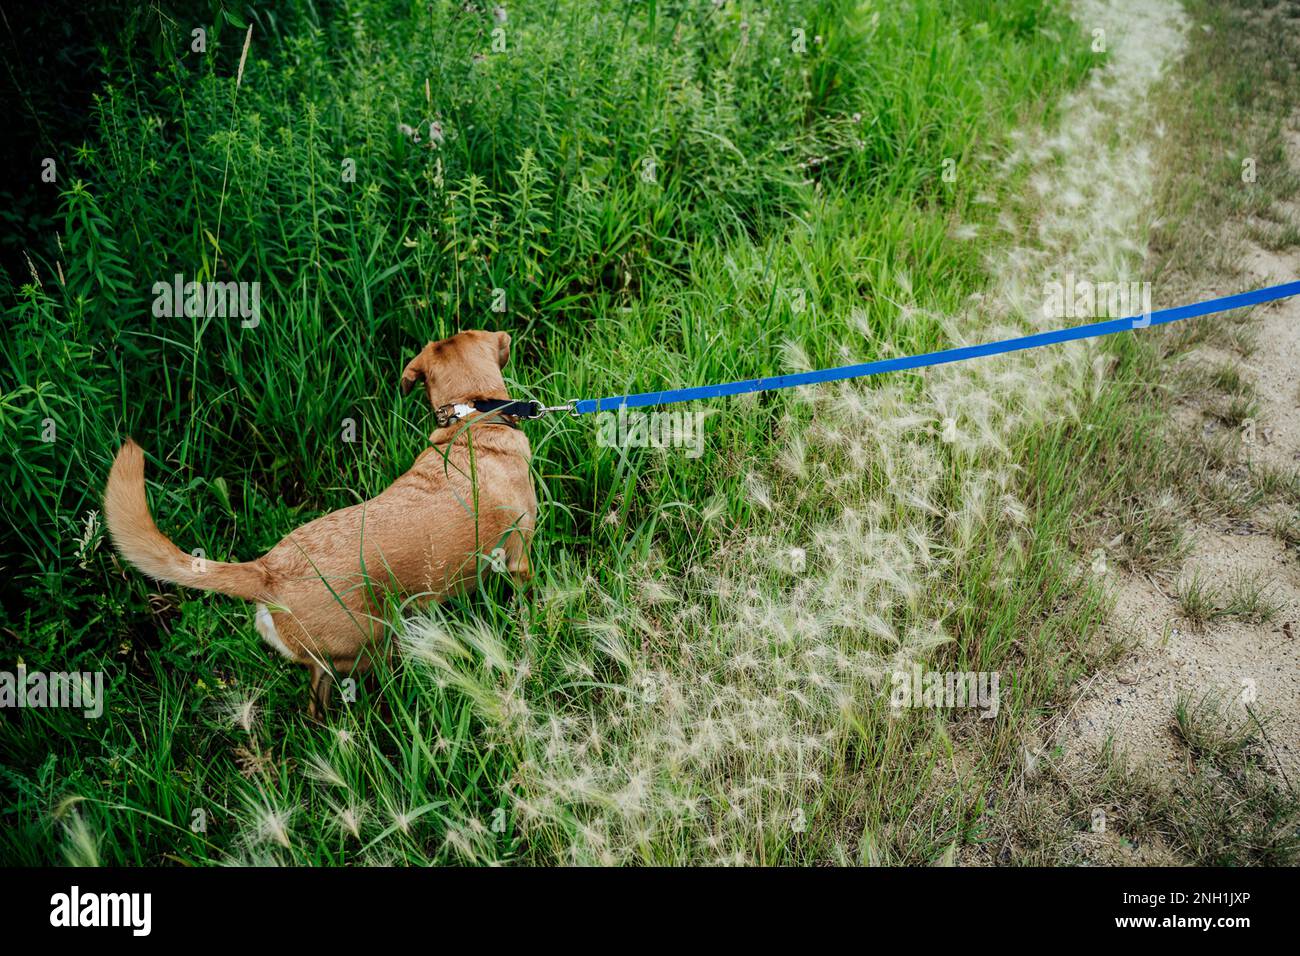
(264, 621)
(322, 687)
(323, 681)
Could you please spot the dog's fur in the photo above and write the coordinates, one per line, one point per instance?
(320, 590)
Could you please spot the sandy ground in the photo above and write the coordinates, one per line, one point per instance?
(1249, 663)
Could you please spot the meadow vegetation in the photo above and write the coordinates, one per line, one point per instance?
(669, 194)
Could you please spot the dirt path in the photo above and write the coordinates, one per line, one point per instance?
(1246, 659)
(1257, 663)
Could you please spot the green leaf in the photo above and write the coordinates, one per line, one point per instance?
(222, 491)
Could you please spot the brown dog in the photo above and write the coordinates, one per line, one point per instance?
(320, 590)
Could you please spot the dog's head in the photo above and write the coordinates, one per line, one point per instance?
(467, 365)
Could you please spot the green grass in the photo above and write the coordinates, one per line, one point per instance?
(1243, 596)
(773, 173)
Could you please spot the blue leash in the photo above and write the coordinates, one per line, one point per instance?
(943, 357)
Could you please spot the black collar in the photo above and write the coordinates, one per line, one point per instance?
(503, 411)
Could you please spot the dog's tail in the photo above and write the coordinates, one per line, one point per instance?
(137, 538)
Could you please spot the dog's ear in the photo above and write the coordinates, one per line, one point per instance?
(503, 348)
(416, 370)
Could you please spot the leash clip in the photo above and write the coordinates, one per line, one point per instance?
(539, 409)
